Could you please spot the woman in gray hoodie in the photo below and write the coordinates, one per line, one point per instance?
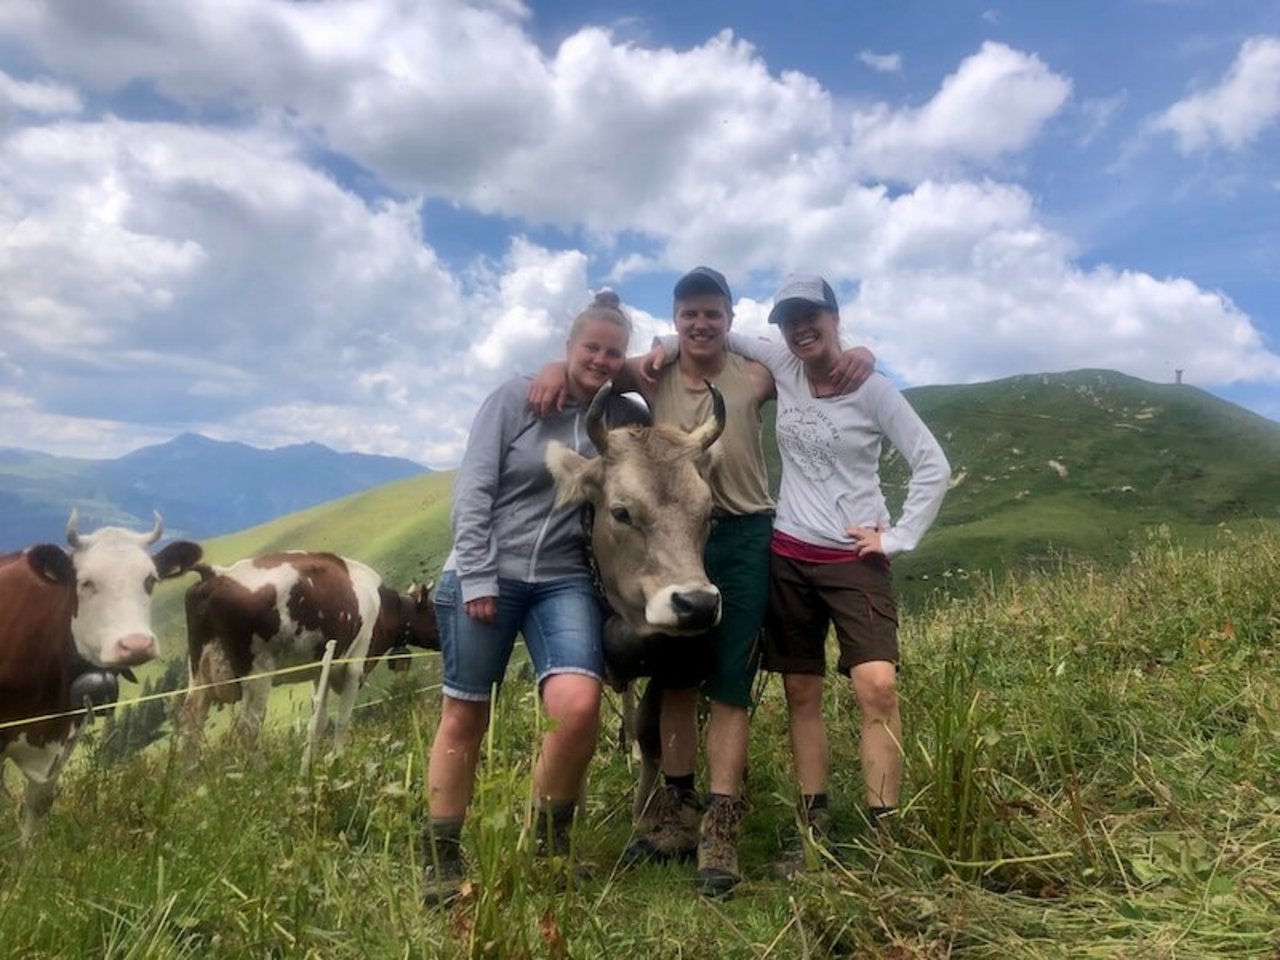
(518, 565)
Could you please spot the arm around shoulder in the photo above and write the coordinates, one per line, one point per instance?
(767, 353)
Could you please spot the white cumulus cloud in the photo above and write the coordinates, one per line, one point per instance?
(994, 105)
(1237, 109)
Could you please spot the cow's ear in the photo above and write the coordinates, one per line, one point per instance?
(177, 558)
(52, 563)
(578, 478)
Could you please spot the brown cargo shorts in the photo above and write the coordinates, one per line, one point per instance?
(806, 598)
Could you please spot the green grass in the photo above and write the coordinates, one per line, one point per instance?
(1093, 767)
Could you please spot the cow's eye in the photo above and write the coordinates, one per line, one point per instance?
(621, 514)
(149, 584)
(87, 586)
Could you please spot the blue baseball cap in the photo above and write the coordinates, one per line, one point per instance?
(700, 281)
(802, 292)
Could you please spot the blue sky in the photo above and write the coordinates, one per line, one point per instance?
(348, 221)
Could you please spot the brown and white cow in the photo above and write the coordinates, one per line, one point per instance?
(277, 612)
(66, 622)
(650, 518)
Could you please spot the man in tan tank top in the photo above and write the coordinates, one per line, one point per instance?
(737, 561)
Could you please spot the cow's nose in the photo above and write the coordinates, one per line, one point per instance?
(697, 609)
(135, 648)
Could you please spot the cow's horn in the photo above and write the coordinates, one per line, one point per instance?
(73, 535)
(709, 432)
(149, 538)
(596, 429)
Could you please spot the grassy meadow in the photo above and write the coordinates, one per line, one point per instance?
(1093, 767)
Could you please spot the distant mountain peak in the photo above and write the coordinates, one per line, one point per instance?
(190, 439)
(203, 487)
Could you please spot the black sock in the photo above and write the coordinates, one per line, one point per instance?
(445, 829)
(876, 814)
(559, 811)
(443, 839)
(683, 782)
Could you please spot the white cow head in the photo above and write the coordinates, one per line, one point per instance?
(111, 617)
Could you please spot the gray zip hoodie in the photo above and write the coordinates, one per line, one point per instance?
(505, 522)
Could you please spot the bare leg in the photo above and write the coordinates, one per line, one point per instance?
(573, 705)
(875, 685)
(454, 755)
(727, 734)
(808, 731)
(679, 726)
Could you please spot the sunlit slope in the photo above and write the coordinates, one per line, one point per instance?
(400, 529)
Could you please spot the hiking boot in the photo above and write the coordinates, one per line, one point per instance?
(795, 855)
(884, 825)
(442, 871)
(718, 847)
(554, 832)
(667, 829)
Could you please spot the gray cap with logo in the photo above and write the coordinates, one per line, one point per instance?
(802, 292)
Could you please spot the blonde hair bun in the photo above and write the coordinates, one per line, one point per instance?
(607, 298)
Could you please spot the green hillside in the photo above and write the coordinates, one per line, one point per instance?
(1081, 463)
(400, 529)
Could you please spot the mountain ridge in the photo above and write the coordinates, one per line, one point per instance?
(203, 487)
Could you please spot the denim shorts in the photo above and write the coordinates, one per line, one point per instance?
(561, 622)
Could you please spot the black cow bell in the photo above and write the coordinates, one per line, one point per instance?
(93, 688)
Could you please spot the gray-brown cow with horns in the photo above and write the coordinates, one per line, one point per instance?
(650, 510)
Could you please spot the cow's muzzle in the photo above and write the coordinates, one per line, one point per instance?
(697, 609)
(133, 650)
(685, 608)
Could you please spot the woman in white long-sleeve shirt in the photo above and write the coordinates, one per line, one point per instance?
(832, 539)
